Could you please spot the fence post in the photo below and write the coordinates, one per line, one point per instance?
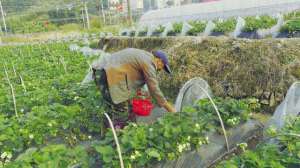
(3, 17)
(87, 15)
(102, 12)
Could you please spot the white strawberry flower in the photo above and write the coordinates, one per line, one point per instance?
(31, 136)
(200, 142)
(207, 139)
(132, 157)
(9, 156)
(3, 155)
(137, 153)
(180, 148)
(188, 146)
(50, 124)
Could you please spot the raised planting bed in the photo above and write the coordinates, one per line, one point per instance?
(290, 29)
(132, 33)
(253, 24)
(142, 33)
(232, 67)
(249, 35)
(280, 149)
(208, 154)
(217, 34)
(173, 136)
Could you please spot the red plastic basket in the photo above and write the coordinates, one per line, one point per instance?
(142, 107)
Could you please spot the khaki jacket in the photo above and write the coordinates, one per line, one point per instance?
(128, 70)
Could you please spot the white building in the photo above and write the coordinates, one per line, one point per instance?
(134, 4)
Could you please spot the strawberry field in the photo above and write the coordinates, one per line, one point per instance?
(234, 90)
(47, 119)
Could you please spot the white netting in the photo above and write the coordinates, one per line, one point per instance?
(168, 28)
(239, 27)
(274, 31)
(151, 30)
(185, 28)
(209, 28)
(290, 107)
(191, 92)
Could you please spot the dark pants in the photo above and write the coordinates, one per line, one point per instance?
(121, 113)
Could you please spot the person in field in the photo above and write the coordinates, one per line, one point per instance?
(120, 75)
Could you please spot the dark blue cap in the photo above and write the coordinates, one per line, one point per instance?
(163, 56)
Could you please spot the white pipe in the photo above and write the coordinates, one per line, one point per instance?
(116, 139)
(220, 118)
(3, 17)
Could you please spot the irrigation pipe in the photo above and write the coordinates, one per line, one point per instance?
(23, 84)
(15, 72)
(289, 134)
(12, 92)
(220, 118)
(116, 139)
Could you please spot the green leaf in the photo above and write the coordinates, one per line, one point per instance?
(153, 153)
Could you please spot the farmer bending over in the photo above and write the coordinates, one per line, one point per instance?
(121, 74)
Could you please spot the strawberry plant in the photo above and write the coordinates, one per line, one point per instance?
(197, 27)
(49, 100)
(292, 15)
(262, 22)
(171, 135)
(51, 156)
(291, 26)
(233, 111)
(177, 27)
(225, 26)
(283, 153)
(53, 108)
(159, 30)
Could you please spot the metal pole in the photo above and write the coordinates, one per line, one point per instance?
(87, 15)
(102, 8)
(83, 19)
(129, 13)
(3, 17)
(1, 30)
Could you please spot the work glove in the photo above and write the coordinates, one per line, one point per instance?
(169, 107)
